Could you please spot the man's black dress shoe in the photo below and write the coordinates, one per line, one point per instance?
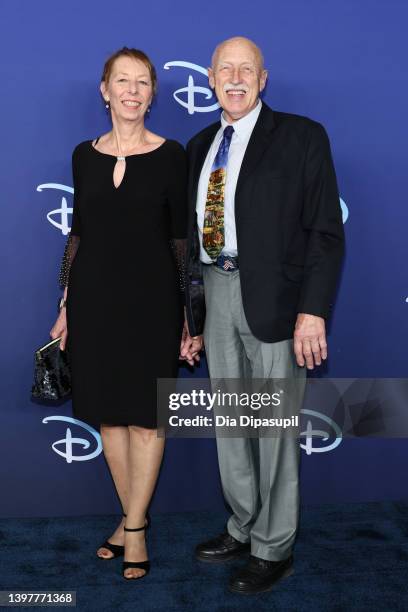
(222, 548)
(260, 575)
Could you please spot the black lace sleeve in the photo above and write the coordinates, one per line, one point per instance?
(179, 247)
(71, 247)
(73, 238)
(177, 201)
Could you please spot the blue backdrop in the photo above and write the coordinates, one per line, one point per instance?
(341, 63)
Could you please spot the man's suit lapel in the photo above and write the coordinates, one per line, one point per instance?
(258, 142)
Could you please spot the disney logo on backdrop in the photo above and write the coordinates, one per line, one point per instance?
(314, 434)
(63, 212)
(191, 90)
(69, 442)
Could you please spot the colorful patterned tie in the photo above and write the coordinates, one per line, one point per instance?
(213, 230)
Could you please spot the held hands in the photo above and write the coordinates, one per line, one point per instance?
(190, 347)
(60, 329)
(310, 340)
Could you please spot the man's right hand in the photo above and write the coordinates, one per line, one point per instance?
(60, 328)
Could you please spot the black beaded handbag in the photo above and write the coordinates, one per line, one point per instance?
(52, 374)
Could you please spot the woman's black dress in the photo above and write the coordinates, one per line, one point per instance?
(124, 305)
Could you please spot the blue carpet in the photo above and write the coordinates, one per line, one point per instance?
(347, 557)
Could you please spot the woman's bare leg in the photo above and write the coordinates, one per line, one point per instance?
(145, 457)
(115, 441)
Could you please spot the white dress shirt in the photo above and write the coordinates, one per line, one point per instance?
(239, 141)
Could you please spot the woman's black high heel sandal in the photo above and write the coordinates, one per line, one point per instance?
(116, 549)
(144, 565)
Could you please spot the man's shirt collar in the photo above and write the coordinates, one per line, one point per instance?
(244, 126)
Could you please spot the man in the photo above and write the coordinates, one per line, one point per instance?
(266, 236)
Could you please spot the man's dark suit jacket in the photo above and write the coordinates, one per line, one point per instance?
(289, 226)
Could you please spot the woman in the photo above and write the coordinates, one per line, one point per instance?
(122, 316)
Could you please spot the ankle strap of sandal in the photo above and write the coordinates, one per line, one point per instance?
(137, 529)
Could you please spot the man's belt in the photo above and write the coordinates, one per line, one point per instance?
(227, 263)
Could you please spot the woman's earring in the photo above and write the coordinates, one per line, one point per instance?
(148, 109)
(107, 105)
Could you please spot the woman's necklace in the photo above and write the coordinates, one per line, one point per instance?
(119, 157)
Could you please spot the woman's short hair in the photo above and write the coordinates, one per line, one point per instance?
(136, 54)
